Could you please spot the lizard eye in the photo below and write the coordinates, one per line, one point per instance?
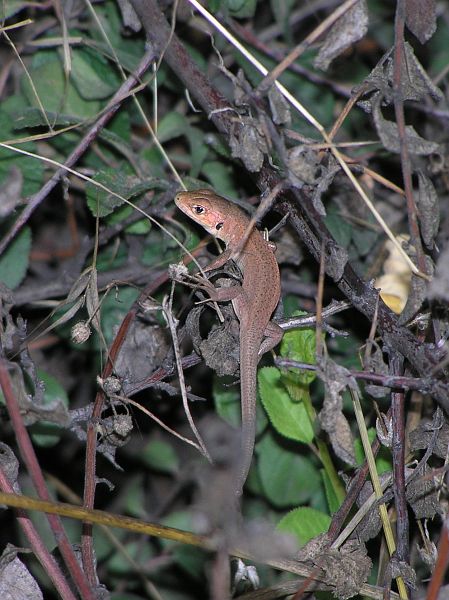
(197, 209)
(219, 226)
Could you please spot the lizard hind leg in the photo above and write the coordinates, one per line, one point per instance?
(273, 335)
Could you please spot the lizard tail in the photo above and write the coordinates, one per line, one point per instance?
(248, 388)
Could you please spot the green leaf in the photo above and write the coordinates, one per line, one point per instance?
(180, 519)
(332, 500)
(227, 402)
(135, 497)
(129, 50)
(121, 213)
(93, 76)
(190, 559)
(242, 9)
(7, 9)
(119, 181)
(101, 202)
(358, 446)
(114, 308)
(215, 143)
(299, 345)
(141, 227)
(281, 12)
(15, 259)
(171, 126)
(160, 250)
(111, 257)
(33, 117)
(174, 125)
(54, 93)
(118, 564)
(198, 150)
(32, 168)
(287, 478)
(288, 417)
(339, 228)
(44, 433)
(305, 523)
(101, 539)
(118, 132)
(159, 455)
(364, 239)
(220, 176)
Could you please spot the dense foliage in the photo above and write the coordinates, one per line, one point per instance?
(126, 388)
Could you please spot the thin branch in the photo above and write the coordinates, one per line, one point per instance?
(398, 61)
(159, 422)
(398, 456)
(440, 569)
(172, 326)
(396, 382)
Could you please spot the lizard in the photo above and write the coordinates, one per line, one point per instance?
(254, 300)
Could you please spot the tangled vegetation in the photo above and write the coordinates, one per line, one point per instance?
(327, 121)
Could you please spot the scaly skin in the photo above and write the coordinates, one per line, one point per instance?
(254, 300)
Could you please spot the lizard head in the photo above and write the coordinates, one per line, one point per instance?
(209, 210)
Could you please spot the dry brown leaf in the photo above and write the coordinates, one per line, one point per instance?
(429, 210)
(421, 19)
(336, 379)
(347, 30)
(16, 582)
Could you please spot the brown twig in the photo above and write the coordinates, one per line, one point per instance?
(398, 456)
(398, 382)
(440, 569)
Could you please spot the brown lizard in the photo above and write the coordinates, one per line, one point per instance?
(254, 300)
